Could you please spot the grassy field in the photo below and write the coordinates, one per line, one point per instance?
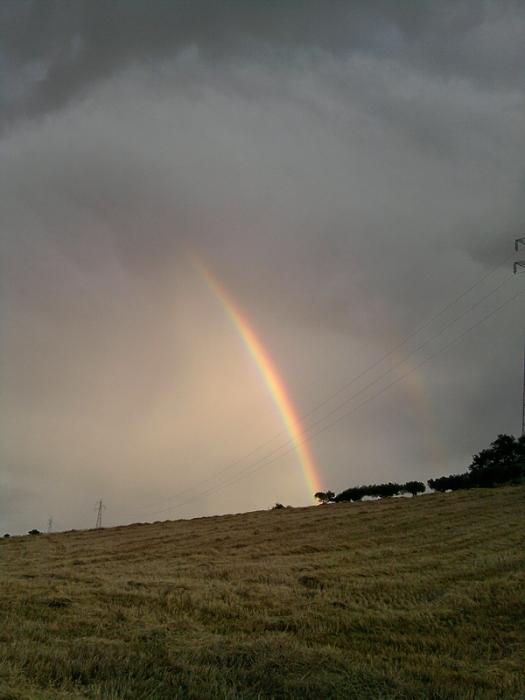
(399, 598)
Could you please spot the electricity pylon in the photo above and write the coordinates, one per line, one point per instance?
(50, 525)
(521, 263)
(99, 506)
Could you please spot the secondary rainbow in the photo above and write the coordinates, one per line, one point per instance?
(270, 375)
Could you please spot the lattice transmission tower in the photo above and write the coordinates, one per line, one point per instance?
(98, 508)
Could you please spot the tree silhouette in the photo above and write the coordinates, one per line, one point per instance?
(454, 482)
(503, 461)
(384, 490)
(325, 497)
(414, 487)
(355, 493)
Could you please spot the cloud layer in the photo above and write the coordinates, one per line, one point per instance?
(347, 170)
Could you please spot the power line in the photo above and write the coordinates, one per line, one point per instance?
(407, 356)
(82, 520)
(333, 395)
(346, 386)
(393, 323)
(238, 477)
(307, 438)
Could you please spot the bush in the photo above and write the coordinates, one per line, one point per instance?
(35, 532)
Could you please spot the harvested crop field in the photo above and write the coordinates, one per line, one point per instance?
(400, 598)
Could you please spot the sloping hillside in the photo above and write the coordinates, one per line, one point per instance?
(399, 598)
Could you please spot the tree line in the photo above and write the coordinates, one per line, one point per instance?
(502, 463)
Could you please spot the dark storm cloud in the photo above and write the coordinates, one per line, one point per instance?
(335, 164)
(57, 49)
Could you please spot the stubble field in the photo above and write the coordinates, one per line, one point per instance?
(400, 598)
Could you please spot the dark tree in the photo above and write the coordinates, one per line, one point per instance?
(354, 494)
(414, 487)
(440, 484)
(502, 462)
(325, 497)
(384, 490)
(35, 532)
(373, 491)
(454, 482)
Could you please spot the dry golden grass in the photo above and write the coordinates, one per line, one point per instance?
(400, 598)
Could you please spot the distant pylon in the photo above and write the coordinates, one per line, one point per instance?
(521, 263)
(50, 525)
(99, 506)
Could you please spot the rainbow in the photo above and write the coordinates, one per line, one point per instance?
(419, 393)
(270, 375)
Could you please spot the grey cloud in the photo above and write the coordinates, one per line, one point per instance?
(147, 210)
(56, 50)
(336, 165)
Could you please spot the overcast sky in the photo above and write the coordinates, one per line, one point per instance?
(351, 173)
